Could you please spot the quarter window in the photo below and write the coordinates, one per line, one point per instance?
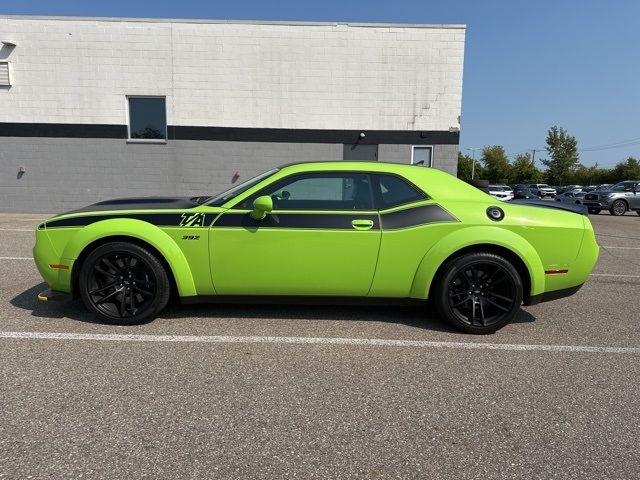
(147, 118)
(327, 191)
(394, 191)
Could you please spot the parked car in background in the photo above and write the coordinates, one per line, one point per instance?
(569, 188)
(571, 197)
(543, 190)
(523, 193)
(589, 188)
(617, 199)
(499, 192)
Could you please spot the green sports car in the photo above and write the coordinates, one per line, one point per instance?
(336, 232)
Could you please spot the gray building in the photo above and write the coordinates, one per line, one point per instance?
(97, 108)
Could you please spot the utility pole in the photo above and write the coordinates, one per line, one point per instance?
(533, 157)
(473, 165)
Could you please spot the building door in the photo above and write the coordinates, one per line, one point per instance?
(360, 152)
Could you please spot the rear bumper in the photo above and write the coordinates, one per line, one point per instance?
(52, 296)
(552, 295)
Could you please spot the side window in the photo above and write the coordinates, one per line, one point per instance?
(394, 191)
(321, 191)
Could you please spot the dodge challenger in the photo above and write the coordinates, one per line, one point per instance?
(330, 232)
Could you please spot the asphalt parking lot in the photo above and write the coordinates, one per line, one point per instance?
(332, 392)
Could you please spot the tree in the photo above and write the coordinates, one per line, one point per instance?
(524, 171)
(465, 167)
(563, 150)
(627, 170)
(496, 164)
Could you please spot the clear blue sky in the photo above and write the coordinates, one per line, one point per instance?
(528, 64)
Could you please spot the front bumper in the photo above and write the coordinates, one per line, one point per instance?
(53, 296)
(602, 205)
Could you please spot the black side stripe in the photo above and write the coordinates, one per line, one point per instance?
(187, 219)
(328, 221)
(410, 217)
(413, 217)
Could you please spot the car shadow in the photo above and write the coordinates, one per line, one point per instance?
(422, 317)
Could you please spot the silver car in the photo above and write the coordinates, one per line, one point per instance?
(571, 197)
(617, 199)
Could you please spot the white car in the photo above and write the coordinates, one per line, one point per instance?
(500, 192)
(543, 190)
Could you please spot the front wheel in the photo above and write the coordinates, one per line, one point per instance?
(594, 211)
(479, 293)
(122, 283)
(619, 207)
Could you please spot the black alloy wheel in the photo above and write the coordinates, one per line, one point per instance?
(123, 283)
(618, 208)
(479, 293)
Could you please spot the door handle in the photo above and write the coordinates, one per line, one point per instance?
(362, 224)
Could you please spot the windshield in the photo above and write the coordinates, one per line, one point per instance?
(623, 187)
(227, 195)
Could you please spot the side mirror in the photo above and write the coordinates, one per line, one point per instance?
(261, 206)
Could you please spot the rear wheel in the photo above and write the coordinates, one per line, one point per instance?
(123, 283)
(619, 207)
(594, 211)
(479, 293)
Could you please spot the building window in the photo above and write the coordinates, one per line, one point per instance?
(5, 74)
(422, 156)
(147, 118)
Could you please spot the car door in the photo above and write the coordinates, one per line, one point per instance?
(321, 238)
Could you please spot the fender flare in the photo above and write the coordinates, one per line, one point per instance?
(470, 236)
(140, 230)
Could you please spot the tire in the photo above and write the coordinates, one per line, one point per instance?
(122, 283)
(594, 211)
(478, 310)
(618, 208)
(638, 212)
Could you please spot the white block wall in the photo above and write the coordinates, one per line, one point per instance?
(316, 76)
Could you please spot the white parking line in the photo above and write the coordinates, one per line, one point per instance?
(16, 258)
(621, 248)
(368, 342)
(17, 229)
(614, 275)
